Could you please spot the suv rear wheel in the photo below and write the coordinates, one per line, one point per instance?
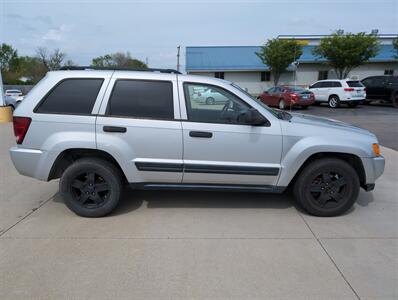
(334, 101)
(327, 187)
(91, 187)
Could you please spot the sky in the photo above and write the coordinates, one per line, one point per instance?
(152, 30)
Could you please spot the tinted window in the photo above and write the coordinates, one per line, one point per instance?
(71, 96)
(316, 85)
(354, 84)
(215, 106)
(142, 99)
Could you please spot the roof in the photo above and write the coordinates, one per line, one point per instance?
(244, 58)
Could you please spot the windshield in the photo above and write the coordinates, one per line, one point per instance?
(276, 112)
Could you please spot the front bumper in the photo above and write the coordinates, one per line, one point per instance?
(374, 168)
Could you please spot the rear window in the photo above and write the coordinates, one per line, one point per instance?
(71, 96)
(147, 99)
(354, 84)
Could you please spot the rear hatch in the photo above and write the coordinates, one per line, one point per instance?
(356, 89)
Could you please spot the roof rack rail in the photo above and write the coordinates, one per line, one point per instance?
(77, 68)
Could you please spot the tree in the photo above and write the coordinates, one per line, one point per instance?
(118, 59)
(278, 54)
(395, 44)
(51, 61)
(8, 57)
(345, 52)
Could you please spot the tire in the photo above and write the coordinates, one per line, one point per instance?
(394, 99)
(210, 101)
(366, 102)
(96, 183)
(352, 104)
(334, 101)
(282, 104)
(327, 187)
(305, 106)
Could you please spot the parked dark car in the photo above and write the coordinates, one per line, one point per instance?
(382, 88)
(287, 96)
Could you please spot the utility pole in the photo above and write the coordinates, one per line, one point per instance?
(147, 61)
(178, 58)
(1, 91)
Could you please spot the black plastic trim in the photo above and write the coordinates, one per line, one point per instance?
(240, 170)
(212, 169)
(209, 187)
(159, 167)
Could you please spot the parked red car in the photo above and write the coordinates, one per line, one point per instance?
(287, 96)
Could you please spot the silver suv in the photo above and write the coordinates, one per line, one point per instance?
(98, 130)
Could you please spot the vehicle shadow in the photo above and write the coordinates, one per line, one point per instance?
(133, 199)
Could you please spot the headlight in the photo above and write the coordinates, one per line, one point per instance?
(376, 149)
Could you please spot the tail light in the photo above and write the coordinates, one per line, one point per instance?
(348, 89)
(293, 96)
(21, 126)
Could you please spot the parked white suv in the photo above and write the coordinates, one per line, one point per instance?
(335, 91)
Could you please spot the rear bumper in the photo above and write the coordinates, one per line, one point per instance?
(32, 162)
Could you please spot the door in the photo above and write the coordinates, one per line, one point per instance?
(139, 126)
(220, 149)
(316, 89)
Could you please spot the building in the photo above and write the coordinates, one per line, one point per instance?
(241, 65)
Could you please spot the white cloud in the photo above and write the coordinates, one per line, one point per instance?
(56, 34)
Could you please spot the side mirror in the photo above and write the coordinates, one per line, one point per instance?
(311, 87)
(253, 117)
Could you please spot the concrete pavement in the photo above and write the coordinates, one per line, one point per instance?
(198, 245)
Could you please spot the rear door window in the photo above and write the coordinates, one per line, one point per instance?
(71, 96)
(146, 99)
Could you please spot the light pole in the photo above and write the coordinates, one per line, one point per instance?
(1, 91)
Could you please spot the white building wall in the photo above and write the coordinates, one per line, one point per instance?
(306, 74)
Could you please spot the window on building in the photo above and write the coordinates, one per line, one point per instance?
(142, 99)
(72, 96)
(219, 75)
(389, 72)
(266, 76)
(322, 75)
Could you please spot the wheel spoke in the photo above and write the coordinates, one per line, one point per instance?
(101, 187)
(323, 198)
(326, 178)
(337, 196)
(315, 188)
(90, 177)
(340, 182)
(97, 199)
(77, 184)
(82, 198)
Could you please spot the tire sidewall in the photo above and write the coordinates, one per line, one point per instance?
(210, 101)
(105, 170)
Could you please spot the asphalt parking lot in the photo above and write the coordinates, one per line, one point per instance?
(200, 245)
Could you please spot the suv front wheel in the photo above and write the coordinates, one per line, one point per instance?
(327, 187)
(91, 187)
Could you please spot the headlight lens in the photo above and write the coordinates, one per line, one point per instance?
(376, 149)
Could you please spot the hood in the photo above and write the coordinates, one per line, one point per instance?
(328, 123)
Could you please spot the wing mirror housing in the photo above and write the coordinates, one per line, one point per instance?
(253, 117)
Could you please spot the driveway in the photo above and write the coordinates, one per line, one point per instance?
(195, 245)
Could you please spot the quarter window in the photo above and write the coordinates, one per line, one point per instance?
(142, 99)
(71, 96)
(216, 105)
